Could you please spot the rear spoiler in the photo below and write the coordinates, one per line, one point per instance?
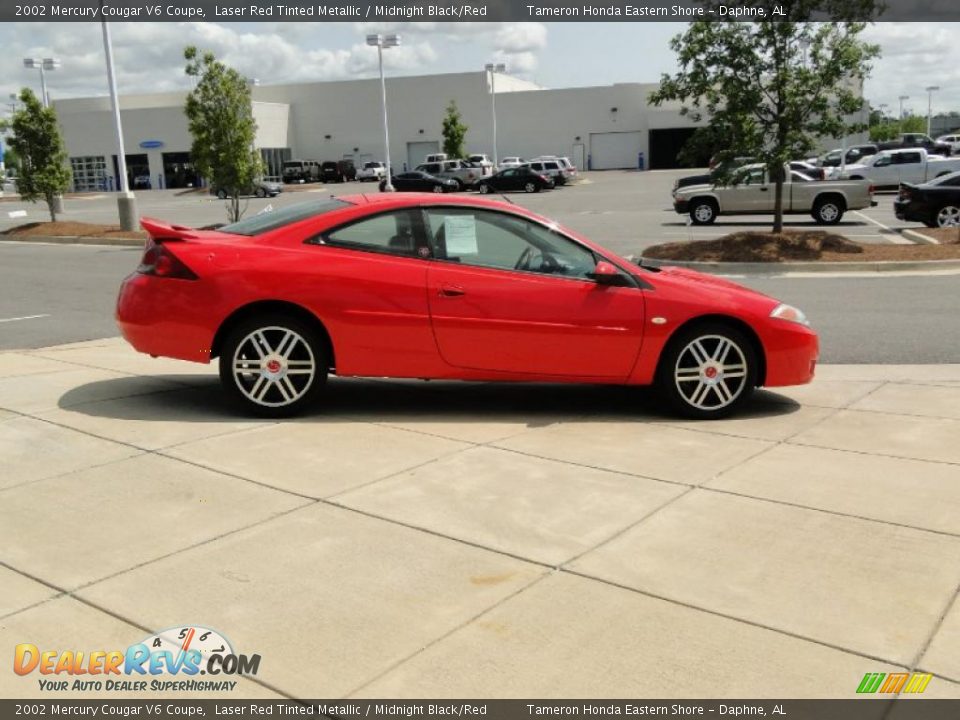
(163, 231)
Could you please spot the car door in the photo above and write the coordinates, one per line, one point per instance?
(508, 180)
(508, 295)
(368, 284)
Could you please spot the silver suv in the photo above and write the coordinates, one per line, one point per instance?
(464, 173)
(551, 168)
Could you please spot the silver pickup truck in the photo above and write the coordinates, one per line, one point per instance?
(750, 192)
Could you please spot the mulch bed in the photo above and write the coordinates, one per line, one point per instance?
(810, 245)
(71, 229)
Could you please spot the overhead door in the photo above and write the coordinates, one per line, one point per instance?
(417, 152)
(665, 146)
(616, 150)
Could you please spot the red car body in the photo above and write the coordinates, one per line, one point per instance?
(421, 317)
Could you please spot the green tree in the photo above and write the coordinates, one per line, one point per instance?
(454, 132)
(773, 88)
(10, 159)
(913, 124)
(36, 141)
(220, 118)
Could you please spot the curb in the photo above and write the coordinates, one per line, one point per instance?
(74, 240)
(757, 268)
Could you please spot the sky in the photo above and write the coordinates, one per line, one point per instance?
(149, 56)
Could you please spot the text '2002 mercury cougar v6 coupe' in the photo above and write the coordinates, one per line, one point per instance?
(426, 286)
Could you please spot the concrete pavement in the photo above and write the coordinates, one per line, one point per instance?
(413, 539)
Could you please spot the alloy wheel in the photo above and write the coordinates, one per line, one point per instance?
(949, 216)
(710, 372)
(828, 212)
(274, 366)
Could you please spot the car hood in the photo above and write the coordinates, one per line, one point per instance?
(705, 286)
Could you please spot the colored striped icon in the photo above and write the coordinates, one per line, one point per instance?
(914, 683)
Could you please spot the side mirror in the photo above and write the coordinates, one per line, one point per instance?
(607, 274)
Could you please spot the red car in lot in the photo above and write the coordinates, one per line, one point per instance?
(431, 286)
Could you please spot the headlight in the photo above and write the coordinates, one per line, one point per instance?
(789, 313)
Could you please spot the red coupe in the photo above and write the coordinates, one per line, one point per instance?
(430, 286)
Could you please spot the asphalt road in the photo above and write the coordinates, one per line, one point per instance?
(625, 211)
(66, 293)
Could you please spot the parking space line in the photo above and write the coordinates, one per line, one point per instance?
(25, 317)
(895, 237)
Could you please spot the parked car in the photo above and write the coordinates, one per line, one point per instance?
(752, 193)
(372, 170)
(889, 168)
(808, 169)
(935, 203)
(464, 173)
(570, 170)
(483, 162)
(551, 168)
(417, 181)
(917, 140)
(511, 161)
(834, 158)
(261, 188)
(519, 178)
(142, 182)
(716, 169)
(447, 287)
(953, 141)
(337, 171)
(301, 171)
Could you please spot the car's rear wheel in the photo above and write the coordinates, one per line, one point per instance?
(222, 194)
(460, 184)
(530, 187)
(261, 193)
(828, 211)
(703, 212)
(948, 216)
(707, 371)
(272, 365)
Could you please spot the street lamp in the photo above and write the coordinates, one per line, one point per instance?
(126, 201)
(901, 99)
(930, 91)
(492, 70)
(381, 42)
(42, 64)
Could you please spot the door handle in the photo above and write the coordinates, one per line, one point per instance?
(452, 291)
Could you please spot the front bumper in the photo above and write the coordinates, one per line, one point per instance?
(681, 206)
(791, 350)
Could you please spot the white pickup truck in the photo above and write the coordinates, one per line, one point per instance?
(751, 192)
(889, 168)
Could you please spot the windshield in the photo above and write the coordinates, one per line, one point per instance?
(264, 222)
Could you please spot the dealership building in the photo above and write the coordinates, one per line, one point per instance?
(598, 128)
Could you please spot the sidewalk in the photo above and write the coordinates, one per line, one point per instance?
(437, 539)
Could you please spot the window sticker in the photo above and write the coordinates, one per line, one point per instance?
(460, 233)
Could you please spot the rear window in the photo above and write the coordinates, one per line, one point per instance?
(264, 222)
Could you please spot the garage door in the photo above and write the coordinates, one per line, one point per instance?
(613, 151)
(418, 151)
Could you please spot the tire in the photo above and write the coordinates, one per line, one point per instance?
(438, 188)
(531, 187)
(460, 185)
(484, 189)
(383, 185)
(828, 211)
(222, 194)
(948, 216)
(288, 376)
(693, 381)
(703, 212)
(261, 193)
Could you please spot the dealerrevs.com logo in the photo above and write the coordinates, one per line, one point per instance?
(171, 660)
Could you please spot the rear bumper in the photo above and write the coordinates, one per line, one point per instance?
(158, 318)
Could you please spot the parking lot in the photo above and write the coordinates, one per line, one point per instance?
(442, 539)
(626, 211)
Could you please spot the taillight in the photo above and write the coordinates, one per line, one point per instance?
(160, 262)
(871, 189)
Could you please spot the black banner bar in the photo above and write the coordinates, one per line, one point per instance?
(435, 10)
(872, 708)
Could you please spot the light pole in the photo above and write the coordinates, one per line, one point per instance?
(42, 65)
(901, 99)
(126, 201)
(492, 70)
(14, 99)
(381, 42)
(930, 90)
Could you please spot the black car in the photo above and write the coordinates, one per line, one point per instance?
(519, 178)
(417, 181)
(918, 140)
(337, 171)
(717, 168)
(935, 203)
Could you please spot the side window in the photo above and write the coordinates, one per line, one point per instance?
(754, 177)
(506, 242)
(391, 233)
(909, 158)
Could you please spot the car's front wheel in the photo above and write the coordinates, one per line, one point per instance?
(272, 365)
(948, 216)
(707, 371)
(531, 187)
(484, 189)
(438, 188)
(261, 193)
(703, 212)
